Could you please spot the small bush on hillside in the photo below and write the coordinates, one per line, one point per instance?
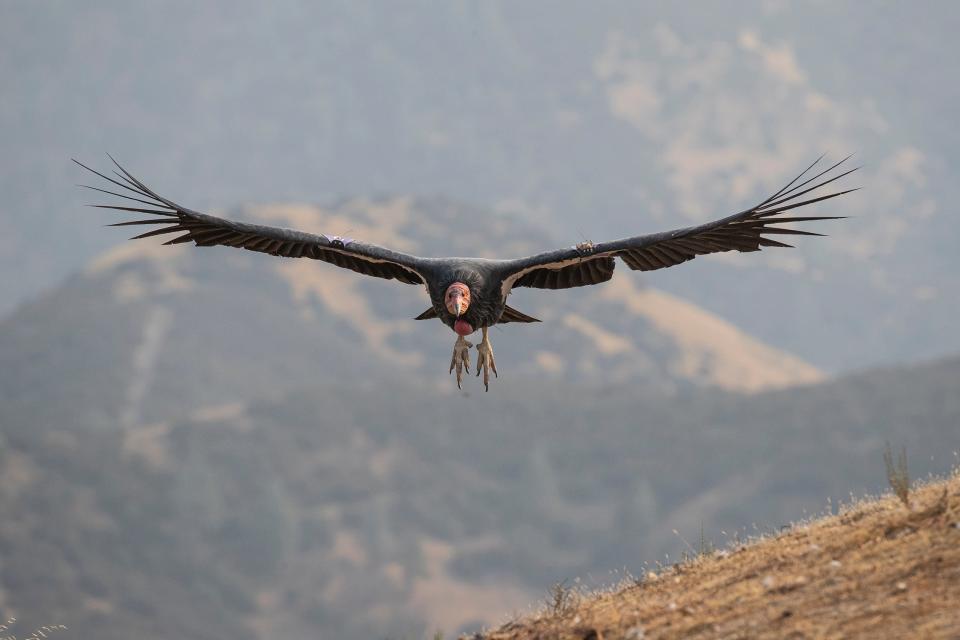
(897, 475)
(562, 599)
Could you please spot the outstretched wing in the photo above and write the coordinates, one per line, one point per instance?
(206, 230)
(587, 263)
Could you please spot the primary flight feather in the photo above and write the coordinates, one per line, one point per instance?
(471, 293)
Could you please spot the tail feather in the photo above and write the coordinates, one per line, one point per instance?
(512, 315)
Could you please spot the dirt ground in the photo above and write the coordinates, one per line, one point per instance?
(879, 569)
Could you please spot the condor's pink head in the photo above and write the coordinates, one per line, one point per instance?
(457, 301)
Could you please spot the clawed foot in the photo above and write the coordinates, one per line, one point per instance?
(485, 361)
(461, 358)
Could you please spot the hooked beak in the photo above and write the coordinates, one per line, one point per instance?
(459, 305)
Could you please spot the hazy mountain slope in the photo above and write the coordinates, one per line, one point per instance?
(362, 509)
(601, 119)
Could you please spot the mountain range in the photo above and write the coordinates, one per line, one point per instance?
(210, 443)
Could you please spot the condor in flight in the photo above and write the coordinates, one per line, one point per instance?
(471, 293)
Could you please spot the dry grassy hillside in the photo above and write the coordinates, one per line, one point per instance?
(877, 570)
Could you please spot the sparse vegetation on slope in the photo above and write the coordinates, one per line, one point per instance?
(879, 569)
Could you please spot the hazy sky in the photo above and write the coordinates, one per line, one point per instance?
(591, 119)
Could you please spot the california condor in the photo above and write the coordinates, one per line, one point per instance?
(471, 293)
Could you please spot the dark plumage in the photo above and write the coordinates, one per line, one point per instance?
(489, 281)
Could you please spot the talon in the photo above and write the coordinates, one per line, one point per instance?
(460, 359)
(485, 361)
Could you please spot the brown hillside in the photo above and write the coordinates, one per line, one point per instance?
(877, 570)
